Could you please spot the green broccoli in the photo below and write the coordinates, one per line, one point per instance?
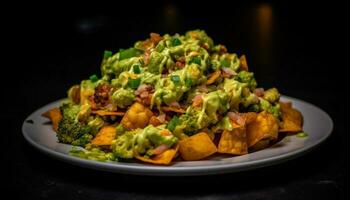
(95, 125)
(273, 109)
(70, 129)
(123, 97)
(123, 146)
(272, 95)
(247, 77)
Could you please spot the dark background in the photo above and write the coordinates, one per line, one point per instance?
(293, 46)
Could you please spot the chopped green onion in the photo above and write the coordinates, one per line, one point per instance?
(175, 78)
(225, 63)
(129, 53)
(107, 54)
(188, 82)
(137, 69)
(175, 42)
(302, 134)
(93, 78)
(196, 60)
(134, 83)
(173, 123)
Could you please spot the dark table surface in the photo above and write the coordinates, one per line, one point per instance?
(287, 46)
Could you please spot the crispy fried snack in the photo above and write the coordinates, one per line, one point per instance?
(213, 77)
(164, 158)
(105, 136)
(244, 64)
(292, 119)
(55, 116)
(107, 113)
(265, 126)
(137, 116)
(234, 142)
(197, 147)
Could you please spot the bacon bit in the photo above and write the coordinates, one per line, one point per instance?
(107, 113)
(237, 120)
(180, 64)
(146, 56)
(222, 49)
(205, 46)
(243, 63)
(102, 95)
(161, 118)
(259, 92)
(160, 149)
(228, 73)
(155, 38)
(213, 77)
(172, 109)
(175, 104)
(92, 103)
(197, 100)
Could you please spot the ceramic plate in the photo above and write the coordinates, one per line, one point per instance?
(317, 124)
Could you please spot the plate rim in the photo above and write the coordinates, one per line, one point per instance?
(155, 170)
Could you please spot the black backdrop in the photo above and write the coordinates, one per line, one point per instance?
(290, 46)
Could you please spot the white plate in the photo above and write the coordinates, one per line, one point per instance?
(317, 124)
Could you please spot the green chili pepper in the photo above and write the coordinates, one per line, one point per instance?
(196, 60)
(136, 69)
(175, 79)
(107, 54)
(93, 78)
(129, 53)
(172, 123)
(175, 42)
(134, 83)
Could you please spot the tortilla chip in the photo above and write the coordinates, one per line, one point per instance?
(292, 120)
(105, 136)
(164, 158)
(173, 109)
(137, 116)
(213, 77)
(234, 142)
(107, 113)
(55, 116)
(244, 65)
(265, 126)
(249, 117)
(197, 147)
(262, 144)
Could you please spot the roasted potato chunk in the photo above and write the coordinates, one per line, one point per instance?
(137, 116)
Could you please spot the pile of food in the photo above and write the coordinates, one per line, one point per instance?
(168, 98)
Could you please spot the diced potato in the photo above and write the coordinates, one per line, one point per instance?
(105, 136)
(197, 147)
(137, 116)
(265, 126)
(292, 120)
(164, 158)
(55, 116)
(234, 142)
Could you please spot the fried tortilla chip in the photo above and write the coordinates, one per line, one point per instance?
(55, 116)
(292, 119)
(197, 147)
(164, 158)
(244, 65)
(234, 142)
(249, 117)
(173, 109)
(265, 126)
(105, 136)
(213, 77)
(262, 144)
(107, 113)
(137, 116)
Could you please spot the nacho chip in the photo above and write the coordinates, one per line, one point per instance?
(197, 147)
(213, 77)
(164, 158)
(137, 116)
(105, 136)
(265, 126)
(107, 113)
(244, 64)
(173, 109)
(234, 142)
(292, 119)
(55, 116)
(262, 144)
(249, 117)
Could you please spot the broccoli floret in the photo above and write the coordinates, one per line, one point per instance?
(123, 146)
(272, 95)
(247, 77)
(83, 140)
(273, 109)
(95, 125)
(123, 97)
(69, 128)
